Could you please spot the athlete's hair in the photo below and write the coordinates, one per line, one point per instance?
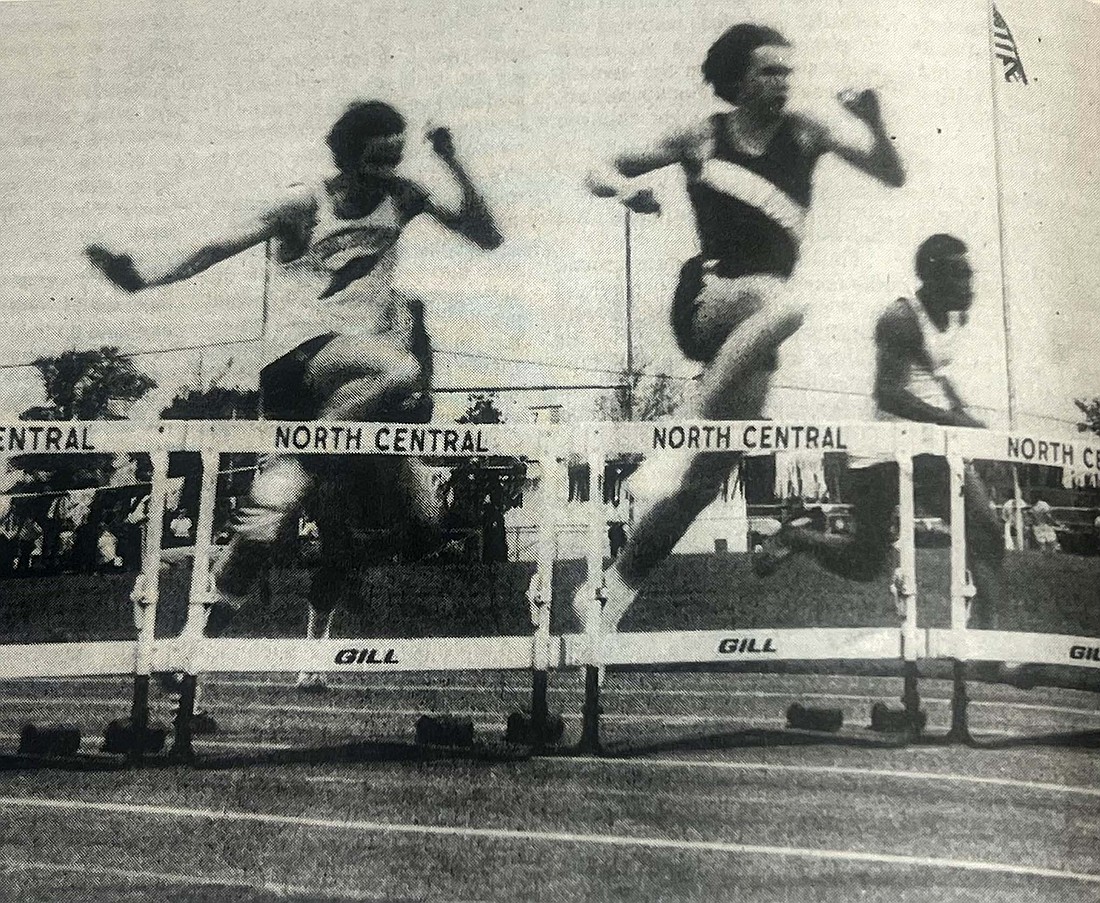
(362, 120)
(728, 58)
(936, 247)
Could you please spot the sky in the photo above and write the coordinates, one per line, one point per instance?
(150, 127)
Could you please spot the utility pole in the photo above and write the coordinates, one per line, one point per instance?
(629, 320)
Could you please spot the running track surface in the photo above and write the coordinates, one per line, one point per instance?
(703, 795)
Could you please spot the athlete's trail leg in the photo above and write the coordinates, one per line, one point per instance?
(748, 353)
(277, 493)
(665, 523)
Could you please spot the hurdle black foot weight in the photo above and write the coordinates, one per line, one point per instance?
(523, 730)
(441, 730)
(886, 720)
(807, 718)
(49, 740)
(120, 738)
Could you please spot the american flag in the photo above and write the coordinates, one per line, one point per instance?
(1004, 48)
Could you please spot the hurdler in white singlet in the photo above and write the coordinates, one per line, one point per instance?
(342, 281)
(926, 378)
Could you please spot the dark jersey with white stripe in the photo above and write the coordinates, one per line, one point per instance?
(748, 209)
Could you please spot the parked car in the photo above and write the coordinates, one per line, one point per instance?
(1076, 530)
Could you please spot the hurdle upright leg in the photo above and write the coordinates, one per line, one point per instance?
(146, 609)
(542, 604)
(960, 722)
(590, 716)
(908, 595)
(198, 600)
(593, 671)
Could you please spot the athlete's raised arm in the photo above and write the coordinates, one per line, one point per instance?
(614, 179)
(473, 219)
(869, 150)
(120, 268)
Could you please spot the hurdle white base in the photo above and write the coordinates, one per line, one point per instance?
(234, 656)
(1027, 648)
(739, 646)
(93, 659)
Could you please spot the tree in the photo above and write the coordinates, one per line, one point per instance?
(1091, 410)
(213, 403)
(654, 397)
(81, 385)
(482, 409)
(91, 385)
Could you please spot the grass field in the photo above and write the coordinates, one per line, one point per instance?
(1054, 594)
(702, 795)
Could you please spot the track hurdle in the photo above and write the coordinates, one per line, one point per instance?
(908, 645)
(194, 654)
(103, 658)
(1025, 652)
(904, 645)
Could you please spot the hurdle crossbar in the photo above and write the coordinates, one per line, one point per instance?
(98, 658)
(1006, 646)
(751, 646)
(231, 655)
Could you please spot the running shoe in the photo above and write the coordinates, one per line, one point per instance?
(769, 556)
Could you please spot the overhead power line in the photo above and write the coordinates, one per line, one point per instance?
(144, 352)
(554, 365)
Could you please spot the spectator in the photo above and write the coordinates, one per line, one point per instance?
(494, 538)
(130, 533)
(1042, 528)
(106, 546)
(616, 536)
(181, 528)
(1015, 538)
(7, 549)
(84, 548)
(29, 540)
(66, 543)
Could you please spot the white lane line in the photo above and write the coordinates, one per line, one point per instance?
(503, 834)
(847, 771)
(886, 695)
(376, 783)
(660, 719)
(667, 718)
(692, 694)
(23, 865)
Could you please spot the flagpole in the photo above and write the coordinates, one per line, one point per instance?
(1006, 316)
(265, 311)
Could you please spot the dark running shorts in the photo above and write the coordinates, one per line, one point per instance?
(288, 395)
(705, 313)
(286, 392)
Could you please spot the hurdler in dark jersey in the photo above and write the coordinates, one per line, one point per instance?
(749, 216)
(751, 225)
(749, 174)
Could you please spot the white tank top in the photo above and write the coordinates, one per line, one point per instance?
(925, 379)
(342, 280)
